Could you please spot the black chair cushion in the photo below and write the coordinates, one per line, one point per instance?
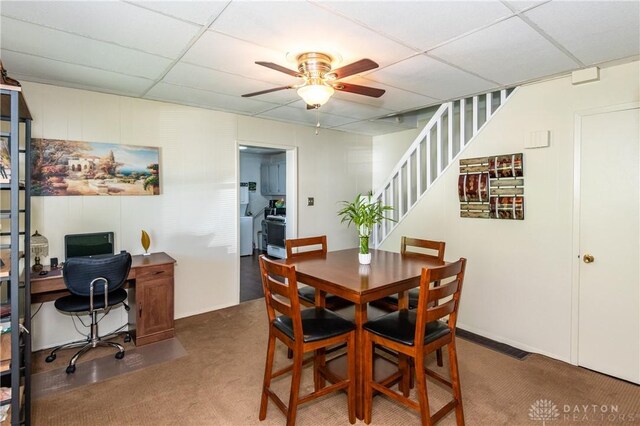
(73, 303)
(414, 293)
(308, 293)
(317, 324)
(400, 326)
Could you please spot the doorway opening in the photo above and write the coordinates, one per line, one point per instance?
(267, 213)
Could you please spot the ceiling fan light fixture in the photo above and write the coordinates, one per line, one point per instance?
(316, 94)
(320, 79)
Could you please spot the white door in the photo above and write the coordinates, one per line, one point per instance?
(609, 296)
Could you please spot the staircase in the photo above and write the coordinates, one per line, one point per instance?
(448, 132)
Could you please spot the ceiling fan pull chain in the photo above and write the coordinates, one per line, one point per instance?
(317, 121)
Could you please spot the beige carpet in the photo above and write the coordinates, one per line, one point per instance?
(219, 381)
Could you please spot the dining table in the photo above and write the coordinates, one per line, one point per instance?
(340, 273)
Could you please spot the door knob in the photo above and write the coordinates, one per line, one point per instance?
(587, 258)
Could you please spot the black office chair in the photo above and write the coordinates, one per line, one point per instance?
(95, 285)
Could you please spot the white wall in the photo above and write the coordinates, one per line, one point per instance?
(387, 151)
(518, 284)
(195, 219)
(332, 166)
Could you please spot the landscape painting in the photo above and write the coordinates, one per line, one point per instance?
(64, 167)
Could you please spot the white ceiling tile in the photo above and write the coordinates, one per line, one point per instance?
(370, 128)
(394, 99)
(525, 4)
(23, 37)
(296, 26)
(344, 108)
(429, 77)
(221, 52)
(507, 52)
(598, 31)
(198, 12)
(201, 98)
(33, 68)
(422, 24)
(117, 22)
(224, 83)
(305, 116)
(121, 47)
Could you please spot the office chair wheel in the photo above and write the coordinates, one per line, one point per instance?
(50, 358)
(71, 369)
(127, 338)
(120, 355)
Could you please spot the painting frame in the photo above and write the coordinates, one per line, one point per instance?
(62, 167)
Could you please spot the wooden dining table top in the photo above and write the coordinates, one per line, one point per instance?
(340, 273)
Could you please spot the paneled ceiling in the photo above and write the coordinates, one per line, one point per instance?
(202, 53)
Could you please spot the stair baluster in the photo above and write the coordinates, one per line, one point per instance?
(404, 187)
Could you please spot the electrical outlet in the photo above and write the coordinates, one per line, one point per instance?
(310, 201)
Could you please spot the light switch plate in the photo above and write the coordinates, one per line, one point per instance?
(538, 139)
(310, 201)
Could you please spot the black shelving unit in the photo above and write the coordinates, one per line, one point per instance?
(15, 209)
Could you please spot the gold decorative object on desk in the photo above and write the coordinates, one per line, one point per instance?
(146, 242)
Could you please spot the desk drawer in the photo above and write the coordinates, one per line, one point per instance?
(153, 272)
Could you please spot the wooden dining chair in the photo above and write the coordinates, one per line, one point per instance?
(319, 248)
(432, 250)
(308, 330)
(416, 333)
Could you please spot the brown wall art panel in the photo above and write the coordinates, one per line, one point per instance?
(492, 187)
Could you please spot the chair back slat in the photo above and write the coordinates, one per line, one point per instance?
(80, 271)
(281, 292)
(279, 296)
(306, 242)
(436, 248)
(278, 287)
(437, 312)
(281, 306)
(443, 290)
(431, 306)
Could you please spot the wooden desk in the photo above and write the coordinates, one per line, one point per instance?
(152, 277)
(340, 273)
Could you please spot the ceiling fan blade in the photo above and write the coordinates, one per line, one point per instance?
(262, 92)
(278, 68)
(359, 90)
(357, 67)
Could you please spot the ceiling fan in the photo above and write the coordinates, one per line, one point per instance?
(320, 81)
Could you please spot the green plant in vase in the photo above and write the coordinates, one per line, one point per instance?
(365, 214)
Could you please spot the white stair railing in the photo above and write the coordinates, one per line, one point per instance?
(448, 132)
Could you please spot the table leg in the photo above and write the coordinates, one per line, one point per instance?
(361, 318)
(320, 358)
(403, 361)
(321, 298)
